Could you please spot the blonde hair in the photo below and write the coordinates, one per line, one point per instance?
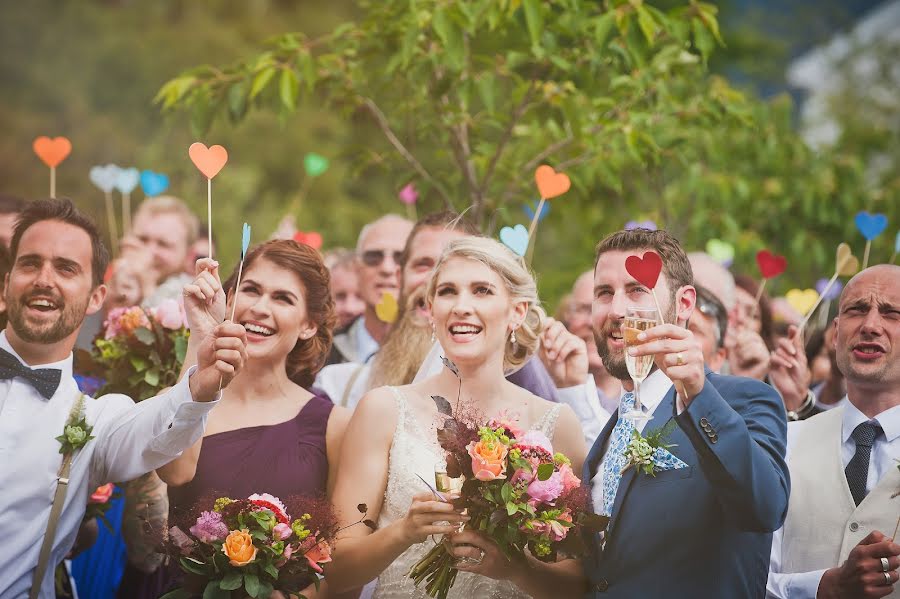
(519, 283)
(171, 205)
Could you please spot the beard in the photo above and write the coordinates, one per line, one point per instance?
(67, 322)
(403, 351)
(614, 360)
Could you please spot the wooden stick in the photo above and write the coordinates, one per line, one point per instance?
(209, 215)
(759, 295)
(821, 298)
(111, 217)
(896, 528)
(53, 182)
(301, 195)
(126, 213)
(866, 255)
(411, 212)
(531, 229)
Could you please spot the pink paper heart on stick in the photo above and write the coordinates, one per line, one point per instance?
(645, 270)
(208, 161)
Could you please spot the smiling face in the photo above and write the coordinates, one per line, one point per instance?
(165, 236)
(868, 328)
(50, 287)
(614, 291)
(271, 304)
(472, 312)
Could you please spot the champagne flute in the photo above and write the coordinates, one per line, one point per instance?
(637, 319)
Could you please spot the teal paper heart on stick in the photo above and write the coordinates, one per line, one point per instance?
(245, 241)
(127, 180)
(153, 184)
(105, 177)
(315, 164)
(720, 251)
(515, 238)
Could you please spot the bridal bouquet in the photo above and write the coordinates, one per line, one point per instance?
(517, 492)
(253, 547)
(140, 351)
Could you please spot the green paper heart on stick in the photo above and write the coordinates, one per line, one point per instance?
(720, 251)
(315, 164)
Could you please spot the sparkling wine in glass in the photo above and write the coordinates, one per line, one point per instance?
(638, 320)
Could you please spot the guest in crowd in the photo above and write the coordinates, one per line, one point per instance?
(479, 283)
(826, 379)
(199, 249)
(348, 305)
(165, 228)
(750, 345)
(378, 251)
(10, 207)
(709, 323)
(56, 278)
(837, 540)
(267, 417)
(710, 274)
(702, 526)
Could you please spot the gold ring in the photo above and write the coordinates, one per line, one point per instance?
(679, 359)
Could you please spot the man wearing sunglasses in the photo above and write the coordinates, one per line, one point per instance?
(378, 250)
(709, 323)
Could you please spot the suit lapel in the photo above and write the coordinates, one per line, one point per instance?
(661, 415)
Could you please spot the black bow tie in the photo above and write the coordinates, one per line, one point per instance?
(45, 380)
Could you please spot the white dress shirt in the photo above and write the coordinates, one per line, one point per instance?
(884, 456)
(366, 346)
(653, 390)
(130, 440)
(585, 401)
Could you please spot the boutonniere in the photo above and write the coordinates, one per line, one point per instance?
(644, 452)
(77, 431)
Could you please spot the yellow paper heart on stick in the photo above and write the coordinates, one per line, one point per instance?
(847, 263)
(386, 310)
(802, 300)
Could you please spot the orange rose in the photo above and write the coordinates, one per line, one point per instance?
(102, 494)
(488, 459)
(320, 553)
(239, 547)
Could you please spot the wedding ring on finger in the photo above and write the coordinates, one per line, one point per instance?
(887, 578)
(679, 359)
(885, 565)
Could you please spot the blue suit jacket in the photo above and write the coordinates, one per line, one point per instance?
(704, 531)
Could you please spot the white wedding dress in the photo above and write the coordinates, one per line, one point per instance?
(416, 451)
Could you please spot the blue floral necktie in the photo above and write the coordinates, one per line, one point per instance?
(615, 455)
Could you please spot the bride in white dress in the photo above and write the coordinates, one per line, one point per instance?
(485, 312)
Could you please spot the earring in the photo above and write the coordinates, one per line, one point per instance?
(433, 333)
(512, 337)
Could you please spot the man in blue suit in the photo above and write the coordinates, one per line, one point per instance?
(701, 525)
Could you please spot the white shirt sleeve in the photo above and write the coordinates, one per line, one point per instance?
(585, 402)
(135, 439)
(793, 585)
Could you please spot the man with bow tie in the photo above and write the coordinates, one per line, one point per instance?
(697, 520)
(55, 281)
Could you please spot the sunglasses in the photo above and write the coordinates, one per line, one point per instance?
(376, 257)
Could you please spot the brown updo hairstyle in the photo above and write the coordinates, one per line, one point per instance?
(309, 355)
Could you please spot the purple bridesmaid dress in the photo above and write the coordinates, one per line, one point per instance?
(284, 459)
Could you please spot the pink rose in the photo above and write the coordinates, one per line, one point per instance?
(548, 490)
(558, 532)
(536, 439)
(488, 459)
(170, 314)
(508, 420)
(522, 475)
(102, 494)
(569, 480)
(536, 526)
(316, 553)
(282, 531)
(112, 322)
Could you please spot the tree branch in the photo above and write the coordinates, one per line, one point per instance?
(507, 135)
(407, 155)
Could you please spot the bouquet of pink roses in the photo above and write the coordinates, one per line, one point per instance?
(254, 546)
(516, 491)
(140, 351)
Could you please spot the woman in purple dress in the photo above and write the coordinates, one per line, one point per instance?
(268, 434)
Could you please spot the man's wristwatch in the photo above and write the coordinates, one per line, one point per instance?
(806, 408)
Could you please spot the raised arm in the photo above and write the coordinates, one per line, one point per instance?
(361, 554)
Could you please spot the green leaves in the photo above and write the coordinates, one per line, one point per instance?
(231, 581)
(534, 20)
(544, 472)
(288, 89)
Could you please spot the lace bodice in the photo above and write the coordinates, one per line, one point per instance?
(415, 451)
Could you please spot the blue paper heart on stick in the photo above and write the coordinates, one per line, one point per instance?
(245, 240)
(529, 211)
(127, 180)
(515, 238)
(105, 177)
(643, 224)
(871, 225)
(834, 291)
(897, 243)
(153, 184)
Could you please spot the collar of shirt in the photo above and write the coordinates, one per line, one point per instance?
(366, 346)
(653, 390)
(64, 365)
(853, 417)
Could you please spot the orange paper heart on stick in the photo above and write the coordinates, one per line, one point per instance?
(208, 160)
(551, 184)
(52, 151)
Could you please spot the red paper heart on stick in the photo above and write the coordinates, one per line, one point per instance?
(645, 270)
(52, 151)
(770, 265)
(313, 239)
(208, 160)
(551, 184)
